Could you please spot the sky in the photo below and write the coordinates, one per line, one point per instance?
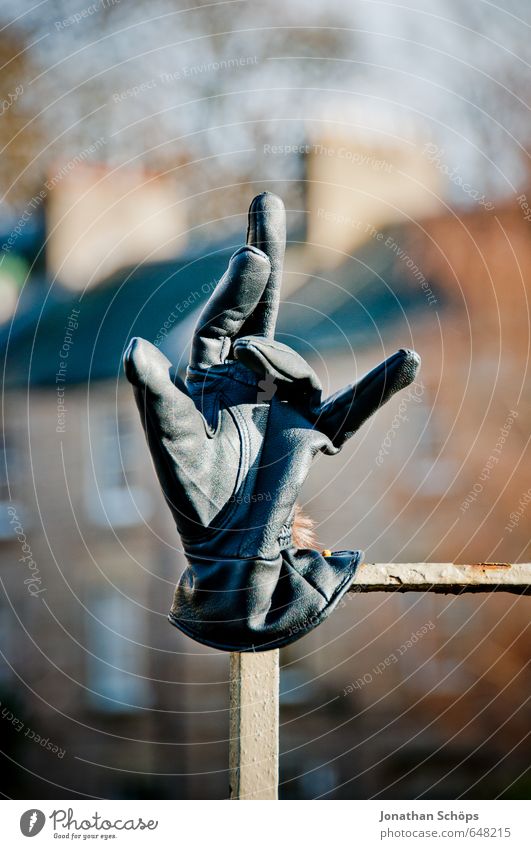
(214, 81)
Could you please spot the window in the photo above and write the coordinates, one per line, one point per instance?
(10, 461)
(116, 659)
(114, 495)
(429, 466)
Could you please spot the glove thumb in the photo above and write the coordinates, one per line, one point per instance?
(165, 409)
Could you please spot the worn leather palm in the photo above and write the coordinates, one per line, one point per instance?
(233, 446)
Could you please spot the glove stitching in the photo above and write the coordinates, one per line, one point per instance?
(245, 441)
(225, 515)
(231, 370)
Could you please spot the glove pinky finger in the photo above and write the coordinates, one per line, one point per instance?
(343, 413)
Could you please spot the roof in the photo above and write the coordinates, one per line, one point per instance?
(132, 302)
(88, 333)
(353, 306)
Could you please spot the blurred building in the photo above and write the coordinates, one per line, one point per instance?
(100, 219)
(138, 708)
(354, 185)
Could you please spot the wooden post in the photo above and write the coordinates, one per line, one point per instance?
(253, 753)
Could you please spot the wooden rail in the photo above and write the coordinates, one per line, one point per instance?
(254, 717)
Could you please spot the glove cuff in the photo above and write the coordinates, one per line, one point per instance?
(257, 604)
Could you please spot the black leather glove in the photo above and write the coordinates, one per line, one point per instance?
(231, 463)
